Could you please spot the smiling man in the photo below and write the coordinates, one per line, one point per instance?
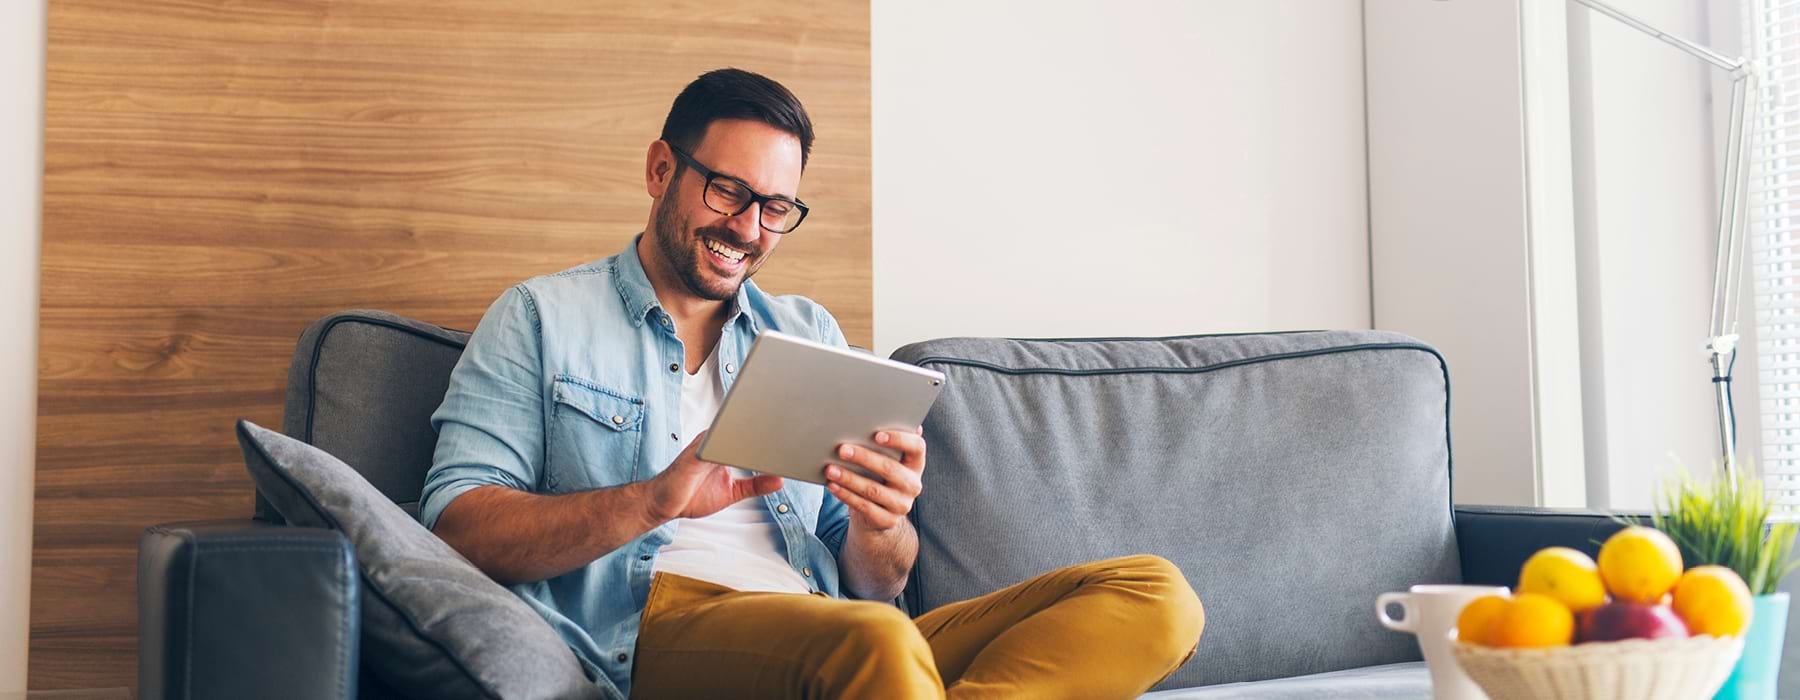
(566, 468)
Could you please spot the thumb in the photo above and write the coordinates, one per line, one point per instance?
(759, 485)
(693, 446)
(765, 484)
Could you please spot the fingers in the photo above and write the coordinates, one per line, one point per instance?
(877, 516)
(898, 501)
(892, 474)
(910, 445)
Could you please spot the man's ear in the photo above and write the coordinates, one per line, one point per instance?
(659, 168)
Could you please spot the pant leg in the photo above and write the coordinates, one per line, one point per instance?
(702, 640)
(1105, 629)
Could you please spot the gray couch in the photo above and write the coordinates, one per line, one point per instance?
(1292, 477)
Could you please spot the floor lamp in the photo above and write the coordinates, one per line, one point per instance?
(1722, 338)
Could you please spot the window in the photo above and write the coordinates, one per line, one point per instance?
(1773, 37)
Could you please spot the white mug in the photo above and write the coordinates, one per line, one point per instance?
(1429, 612)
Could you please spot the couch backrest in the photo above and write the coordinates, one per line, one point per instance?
(362, 386)
(1292, 477)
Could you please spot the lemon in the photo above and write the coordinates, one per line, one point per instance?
(1533, 621)
(1640, 564)
(1565, 574)
(1713, 600)
(1475, 624)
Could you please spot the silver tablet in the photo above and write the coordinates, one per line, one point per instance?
(796, 400)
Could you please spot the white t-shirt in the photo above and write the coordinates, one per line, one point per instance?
(739, 547)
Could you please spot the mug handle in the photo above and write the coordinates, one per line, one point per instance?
(1404, 600)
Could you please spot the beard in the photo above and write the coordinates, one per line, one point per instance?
(680, 247)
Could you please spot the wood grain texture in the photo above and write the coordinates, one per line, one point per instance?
(219, 173)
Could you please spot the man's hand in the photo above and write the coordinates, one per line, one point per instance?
(880, 505)
(692, 488)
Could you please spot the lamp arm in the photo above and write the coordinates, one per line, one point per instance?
(1722, 337)
(1733, 65)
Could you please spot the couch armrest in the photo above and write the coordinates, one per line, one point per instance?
(242, 608)
(1496, 540)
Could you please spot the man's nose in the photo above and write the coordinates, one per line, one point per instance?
(744, 226)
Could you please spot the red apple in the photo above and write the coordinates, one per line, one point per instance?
(1623, 620)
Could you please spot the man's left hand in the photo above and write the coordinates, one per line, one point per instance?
(880, 505)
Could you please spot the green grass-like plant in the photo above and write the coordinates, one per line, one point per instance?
(1726, 522)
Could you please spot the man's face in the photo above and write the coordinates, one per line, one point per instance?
(713, 253)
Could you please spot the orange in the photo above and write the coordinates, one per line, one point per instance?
(1640, 564)
(1475, 624)
(1713, 600)
(1534, 621)
(1565, 574)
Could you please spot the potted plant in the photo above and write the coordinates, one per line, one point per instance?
(1725, 521)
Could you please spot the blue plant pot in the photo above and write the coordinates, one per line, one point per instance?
(1754, 677)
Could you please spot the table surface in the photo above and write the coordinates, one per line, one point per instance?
(93, 694)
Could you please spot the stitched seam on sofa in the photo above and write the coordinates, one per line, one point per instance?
(312, 369)
(370, 581)
(187, 657)
(343, 669)
(915, 582)
(316, 549)
(942, 359)
(1130, 338)
(254, 539)
(1443, 369)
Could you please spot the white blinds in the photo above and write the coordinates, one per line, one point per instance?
(1773, 37)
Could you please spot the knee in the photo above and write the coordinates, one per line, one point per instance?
(878, 652)
(882, 632)
(1180, 616)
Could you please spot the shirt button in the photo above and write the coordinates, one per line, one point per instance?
(665, 320)
(806, 571)
(729, 368)
(644, 558)
(674, 437)
(783, 509)
(618, 420)
(674, 367)
(622, 657)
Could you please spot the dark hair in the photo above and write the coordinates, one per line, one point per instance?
(729, 93)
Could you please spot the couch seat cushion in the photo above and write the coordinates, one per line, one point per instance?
(1403, 681)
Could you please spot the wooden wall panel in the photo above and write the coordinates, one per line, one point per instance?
(219, 173)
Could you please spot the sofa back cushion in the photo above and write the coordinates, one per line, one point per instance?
(1292, 477)
(362, 386)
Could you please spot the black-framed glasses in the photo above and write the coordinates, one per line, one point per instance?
(730, 196)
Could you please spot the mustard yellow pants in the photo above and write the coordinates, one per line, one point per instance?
(1105, 629)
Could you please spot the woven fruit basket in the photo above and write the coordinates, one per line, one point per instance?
(1692, 668)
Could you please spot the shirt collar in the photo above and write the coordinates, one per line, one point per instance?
(640, 296)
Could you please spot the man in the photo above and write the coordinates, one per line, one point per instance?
(566, 468)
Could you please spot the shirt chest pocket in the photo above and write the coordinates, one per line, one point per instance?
(595, 436)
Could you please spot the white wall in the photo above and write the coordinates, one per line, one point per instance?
(1117, 168)
(1449, 221)
(1646, 201)
(21, 170)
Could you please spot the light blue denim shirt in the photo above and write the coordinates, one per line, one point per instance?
(572, 381)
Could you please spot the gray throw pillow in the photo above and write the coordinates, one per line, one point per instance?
(434, 626)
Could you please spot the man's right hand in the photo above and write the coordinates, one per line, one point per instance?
(693, 488)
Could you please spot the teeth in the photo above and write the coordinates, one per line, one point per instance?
(717, 247)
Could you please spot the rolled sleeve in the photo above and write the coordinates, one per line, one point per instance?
(491, 424)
